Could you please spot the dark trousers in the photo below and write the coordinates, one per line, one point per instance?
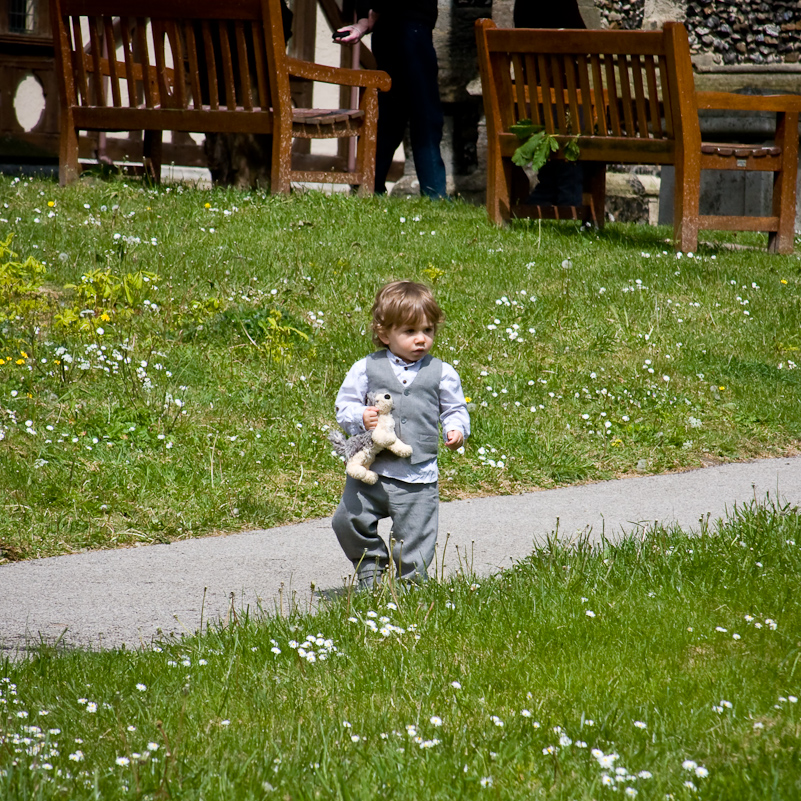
(406, 51)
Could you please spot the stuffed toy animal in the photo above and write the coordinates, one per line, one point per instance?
(359, 452)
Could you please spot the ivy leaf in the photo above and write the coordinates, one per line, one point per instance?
(523, 129)
(535, 151)
(572, 152)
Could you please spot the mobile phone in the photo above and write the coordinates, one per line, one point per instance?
(340, 34)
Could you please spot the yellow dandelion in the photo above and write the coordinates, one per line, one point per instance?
(467, 400)
(207, 206)
(51, 203)
(23, 354)
(784, 280)
(2, 361)
(20, 361)
(721, 388)
(104, 317)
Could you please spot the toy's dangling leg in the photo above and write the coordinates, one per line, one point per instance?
(358, 466)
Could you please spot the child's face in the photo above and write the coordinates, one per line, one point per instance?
(411, 341)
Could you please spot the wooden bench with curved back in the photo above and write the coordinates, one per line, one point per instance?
(630, 98)
(203, 67)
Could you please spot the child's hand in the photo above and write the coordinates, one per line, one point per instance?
(370, 418)
(454, 439)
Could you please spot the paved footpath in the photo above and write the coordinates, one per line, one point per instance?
(130, 596)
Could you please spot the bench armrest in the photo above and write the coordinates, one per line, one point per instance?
(728, 101)
(338, 75)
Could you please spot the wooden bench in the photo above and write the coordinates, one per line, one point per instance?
(630, 97)
(204, 67)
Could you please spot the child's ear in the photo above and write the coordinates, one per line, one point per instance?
(381, 333)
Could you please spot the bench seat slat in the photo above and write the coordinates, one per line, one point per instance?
(740, 151)
(200, 120)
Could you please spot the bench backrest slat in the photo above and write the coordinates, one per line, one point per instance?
(519, 87)
(544, 80)
(194, 65)
(613, 98)
(127, 51)
(78, 62)
(622, 63)
(111, 57)
(599, 118)
(668, 102)
(261, 67)
(227, 65)
(142, 56)
(98, 84)
(244, 70)
(178, 51)
(211, 66)
(654, 114)
(569, 69)
(587, 116)
(557, 78)
(159, 56)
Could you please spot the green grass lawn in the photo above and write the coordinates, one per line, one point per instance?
(665, 667)
(168, 363)
(170, 356)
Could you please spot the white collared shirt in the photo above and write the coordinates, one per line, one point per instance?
(452, 412)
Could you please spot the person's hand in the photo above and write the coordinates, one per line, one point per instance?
(352, 33)
(370, 418)
(454, 439)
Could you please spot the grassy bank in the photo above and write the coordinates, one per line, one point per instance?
(663, 667)
(170, 356)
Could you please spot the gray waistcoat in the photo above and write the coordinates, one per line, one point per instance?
(416, 407)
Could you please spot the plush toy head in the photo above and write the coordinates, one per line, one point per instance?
(381, 400)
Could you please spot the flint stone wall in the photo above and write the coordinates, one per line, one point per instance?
(731, 31)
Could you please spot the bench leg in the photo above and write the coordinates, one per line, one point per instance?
(499, 186)
(152, 155)
(281, 170)
(68, 166)
(686, 199)
(595, 182)
(784, 185)
(366, 143)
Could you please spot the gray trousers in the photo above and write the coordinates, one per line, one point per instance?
(414, 511)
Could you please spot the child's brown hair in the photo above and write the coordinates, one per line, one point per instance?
(401, 303)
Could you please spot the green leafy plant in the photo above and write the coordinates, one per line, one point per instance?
(101, 288)
(105, 294)
(538, 145)
(20, 283)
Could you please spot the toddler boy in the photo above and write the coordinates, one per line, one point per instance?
(427, 393)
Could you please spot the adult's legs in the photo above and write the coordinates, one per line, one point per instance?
(425, 117)
(406, 52)
(392, 105)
